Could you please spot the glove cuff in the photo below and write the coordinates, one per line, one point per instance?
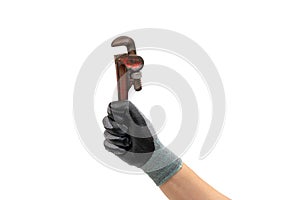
(164, 174)
(162, 165)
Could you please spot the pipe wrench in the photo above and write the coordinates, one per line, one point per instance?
(128, 67)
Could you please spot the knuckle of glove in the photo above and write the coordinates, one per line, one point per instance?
(120, 141)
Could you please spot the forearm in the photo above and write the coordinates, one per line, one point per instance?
(186, 185)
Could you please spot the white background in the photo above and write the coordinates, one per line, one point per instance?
(254, 44)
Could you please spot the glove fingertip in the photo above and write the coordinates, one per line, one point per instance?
(106, 123)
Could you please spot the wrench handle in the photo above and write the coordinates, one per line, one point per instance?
(122, 82)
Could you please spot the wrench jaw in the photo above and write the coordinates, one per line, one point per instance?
(125, 41)
(128, 67)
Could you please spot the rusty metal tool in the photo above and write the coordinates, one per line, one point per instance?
(128, 67)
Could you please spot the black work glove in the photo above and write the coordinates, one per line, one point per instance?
(130, 136)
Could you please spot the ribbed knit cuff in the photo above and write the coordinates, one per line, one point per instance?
(162, 175)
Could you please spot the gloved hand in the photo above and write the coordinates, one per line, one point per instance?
(130, 136)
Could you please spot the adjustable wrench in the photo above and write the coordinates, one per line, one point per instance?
(128, 67)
